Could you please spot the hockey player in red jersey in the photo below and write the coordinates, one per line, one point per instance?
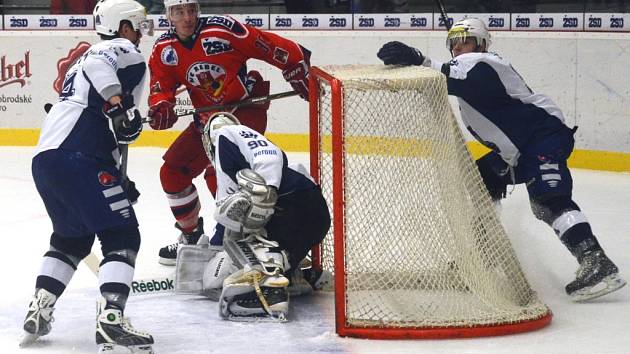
(207, 55)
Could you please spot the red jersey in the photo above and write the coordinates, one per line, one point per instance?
(212, 64)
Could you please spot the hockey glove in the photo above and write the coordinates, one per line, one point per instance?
(250, 207)
(396, 53)
(130, 188)
(297, 75)
(162, 115)
(126, 119)
(258, 87)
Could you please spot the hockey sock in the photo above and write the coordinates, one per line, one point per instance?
(56, 271)
(115, 277)
(185, 206)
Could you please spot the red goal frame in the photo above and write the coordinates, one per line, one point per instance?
(343, 328)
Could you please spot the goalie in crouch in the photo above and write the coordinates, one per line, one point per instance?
(269, 215)
(530, 144)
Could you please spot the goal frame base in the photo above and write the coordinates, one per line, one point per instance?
(444, 332)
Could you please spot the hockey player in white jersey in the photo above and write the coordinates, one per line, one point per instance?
(269, 214)
(76, 172)
(529, 139)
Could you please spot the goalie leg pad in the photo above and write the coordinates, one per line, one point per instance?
(255, 251)
(192, 261)
(217, 270)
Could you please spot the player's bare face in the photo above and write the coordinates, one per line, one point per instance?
(129, 33)
(184, 19)
(459, 47)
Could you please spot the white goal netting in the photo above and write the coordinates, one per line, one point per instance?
(422, 244)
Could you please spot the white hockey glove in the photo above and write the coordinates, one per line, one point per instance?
(251, 207)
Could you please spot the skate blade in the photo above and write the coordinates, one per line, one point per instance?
(108, 348)
(273, 318)
(167, 262)
(28, 339)
(611, 283)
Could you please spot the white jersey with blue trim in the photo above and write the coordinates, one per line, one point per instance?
(497, 106)
(76, 122)
(238, 147)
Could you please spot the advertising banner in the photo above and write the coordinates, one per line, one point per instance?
(49, 22)
(311, 22)
(260, 21)
(393, 21)
(607, 22)
(495, 22)
(548, 22)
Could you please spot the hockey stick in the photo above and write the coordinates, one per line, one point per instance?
(443, 14)
(245, 102)
(124, 154)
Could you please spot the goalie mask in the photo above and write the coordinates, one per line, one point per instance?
(216, 121)
(468, 28)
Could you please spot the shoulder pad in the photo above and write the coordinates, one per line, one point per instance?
(224, 22)
(170, 34)
(122, 45)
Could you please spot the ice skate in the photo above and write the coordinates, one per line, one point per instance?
(168, 254)
(319, 279)
(246, 307)
(252, 296)
(298, 286)
(39, 317)
(113, 329)
(596, 276)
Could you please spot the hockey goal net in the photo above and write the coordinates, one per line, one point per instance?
(416, 247)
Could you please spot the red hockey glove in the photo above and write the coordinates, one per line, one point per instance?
(257, 87)
(297, 76)
(162, 115)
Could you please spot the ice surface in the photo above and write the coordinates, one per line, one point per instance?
(189, 324)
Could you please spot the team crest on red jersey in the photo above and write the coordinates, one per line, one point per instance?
(106, 179)
(280, 55)
(209, 78)
(169, 56)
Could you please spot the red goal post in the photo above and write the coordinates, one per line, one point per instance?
(415, 245)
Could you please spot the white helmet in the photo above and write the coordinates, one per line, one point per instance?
(170, 3)
(468, 27)
(216, 121)
(109, 13)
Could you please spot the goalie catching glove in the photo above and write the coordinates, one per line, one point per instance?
(125, 118)
(249, 208)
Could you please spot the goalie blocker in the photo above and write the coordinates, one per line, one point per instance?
(269, 215)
